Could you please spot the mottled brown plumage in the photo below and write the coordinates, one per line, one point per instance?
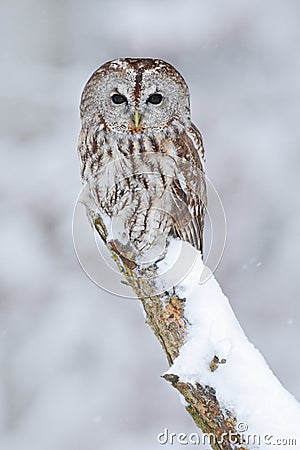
(141, 156)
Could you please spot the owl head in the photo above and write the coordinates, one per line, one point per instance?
(135, 96)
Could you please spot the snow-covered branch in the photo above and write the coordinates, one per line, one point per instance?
(226, 384)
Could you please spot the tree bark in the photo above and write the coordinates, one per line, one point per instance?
(165, 314)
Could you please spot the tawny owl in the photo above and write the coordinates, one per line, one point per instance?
(141, 156)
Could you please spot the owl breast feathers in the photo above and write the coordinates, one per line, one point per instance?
(141, 156)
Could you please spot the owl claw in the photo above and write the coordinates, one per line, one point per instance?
(127, 261)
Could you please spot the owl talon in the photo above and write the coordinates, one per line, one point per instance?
(127, 261)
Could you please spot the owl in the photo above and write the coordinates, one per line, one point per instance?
(142, 157)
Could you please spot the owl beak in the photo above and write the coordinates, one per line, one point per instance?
(136, 118)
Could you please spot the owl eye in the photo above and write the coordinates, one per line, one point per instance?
(155, 99)
(117, 99)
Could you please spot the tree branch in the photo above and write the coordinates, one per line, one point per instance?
(165, 316)
(221, 376)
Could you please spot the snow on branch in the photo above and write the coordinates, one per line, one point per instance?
(227, 386)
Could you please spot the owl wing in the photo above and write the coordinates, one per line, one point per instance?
(188, 190)
(197, 139)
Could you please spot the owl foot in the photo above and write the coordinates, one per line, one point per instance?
(124, 254)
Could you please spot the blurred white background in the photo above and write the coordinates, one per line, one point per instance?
(79, 368)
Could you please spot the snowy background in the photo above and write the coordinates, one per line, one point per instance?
(79, 369)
